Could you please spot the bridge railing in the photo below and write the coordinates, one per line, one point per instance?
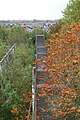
(7, 57)
(34, 93)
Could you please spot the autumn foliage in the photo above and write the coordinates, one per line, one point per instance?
(21, 110)
(62, 83)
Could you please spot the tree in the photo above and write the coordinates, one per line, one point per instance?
(61, 89)
(17, 84)
(15, 92)
(3, 49)
(16, 35)
(4, 33)
(72, 12)
(56, 28)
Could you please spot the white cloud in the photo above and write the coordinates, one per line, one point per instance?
(30, 9)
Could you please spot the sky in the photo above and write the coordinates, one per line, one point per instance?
(32, 9)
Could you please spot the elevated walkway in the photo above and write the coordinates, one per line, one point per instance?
(40, 53)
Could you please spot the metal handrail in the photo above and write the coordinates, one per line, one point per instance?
(6, 57)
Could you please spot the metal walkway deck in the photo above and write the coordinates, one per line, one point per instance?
(40, 52)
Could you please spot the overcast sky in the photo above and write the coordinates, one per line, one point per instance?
(31, 9)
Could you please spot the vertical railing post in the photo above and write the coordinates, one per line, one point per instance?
(33, 94)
